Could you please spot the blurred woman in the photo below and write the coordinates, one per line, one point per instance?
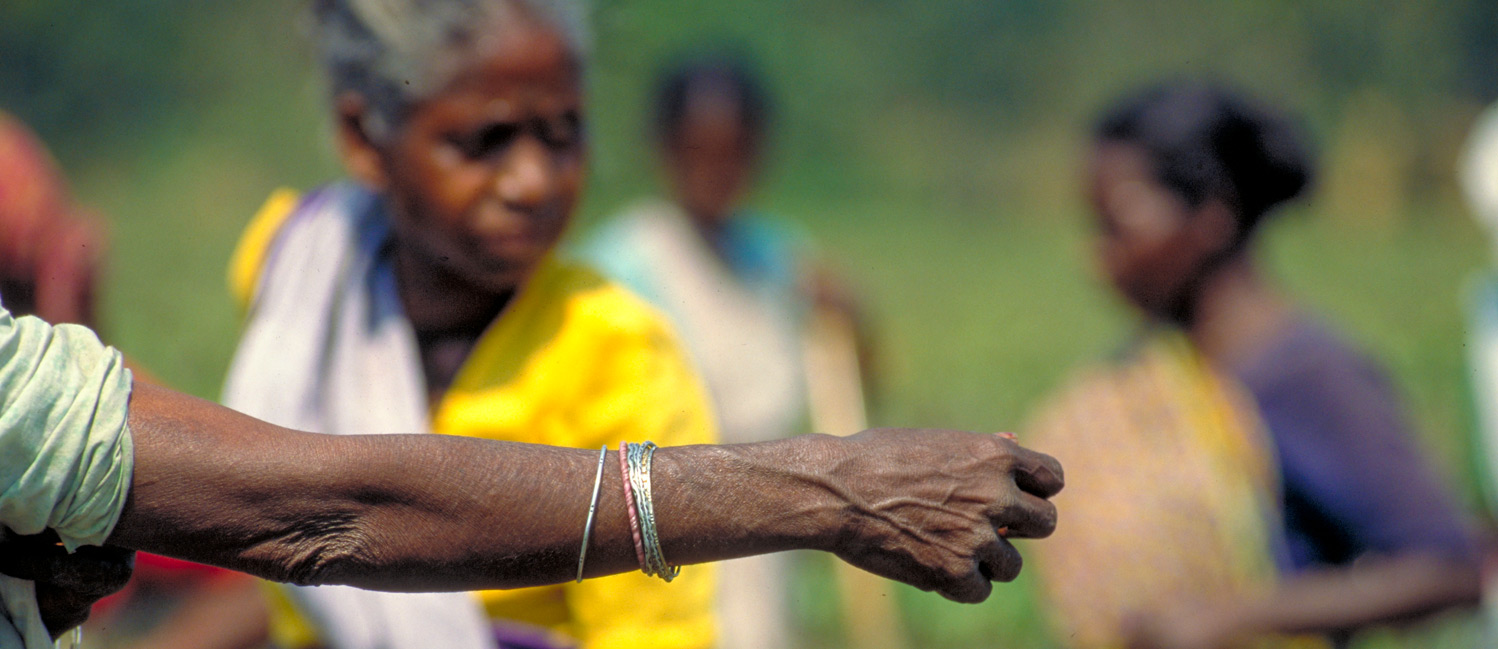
(49, 251)
(738, 284)
(729, 277)
(1272, 455)
(423, 295)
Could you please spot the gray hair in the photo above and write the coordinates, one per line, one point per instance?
(396, 53)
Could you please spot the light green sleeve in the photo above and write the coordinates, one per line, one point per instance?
(65, 451)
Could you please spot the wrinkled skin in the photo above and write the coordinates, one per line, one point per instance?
(67, 585)
(432, 512)
(930, 513)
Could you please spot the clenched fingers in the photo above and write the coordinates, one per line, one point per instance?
(1035, 472)
(1025, 516)
(996, 560)
(999, 560)
(971, 588)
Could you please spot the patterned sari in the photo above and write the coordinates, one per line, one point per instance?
(1170, 497)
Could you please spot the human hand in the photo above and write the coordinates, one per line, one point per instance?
(67, 585)
(926, 507)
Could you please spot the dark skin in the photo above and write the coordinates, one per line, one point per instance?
(1183, 265)
(481, 180)
(432, 512)
(711, 158)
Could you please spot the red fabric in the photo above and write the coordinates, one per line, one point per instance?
(166, 573)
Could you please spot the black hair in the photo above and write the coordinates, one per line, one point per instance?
(728, 77)
(1208, 142)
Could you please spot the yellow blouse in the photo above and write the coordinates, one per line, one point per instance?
(574, 360)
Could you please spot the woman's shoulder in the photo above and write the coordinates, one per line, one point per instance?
(1312, 355)
(285, 212)
(248, 259)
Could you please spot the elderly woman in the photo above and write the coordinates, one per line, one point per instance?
(423, 295)
(87, 457)
(1271, 454)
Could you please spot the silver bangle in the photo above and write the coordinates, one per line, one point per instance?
(582, 557)
(641, 457)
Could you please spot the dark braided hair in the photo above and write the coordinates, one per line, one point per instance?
(1208, 142)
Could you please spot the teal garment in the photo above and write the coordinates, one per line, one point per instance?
(65, 451)
(762, 252)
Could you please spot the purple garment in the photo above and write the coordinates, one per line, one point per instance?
(1354, 480)
(513, 635)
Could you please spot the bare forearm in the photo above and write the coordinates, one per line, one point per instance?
(424, 512)
(411, 511)
(1374, 591)
(428, 512)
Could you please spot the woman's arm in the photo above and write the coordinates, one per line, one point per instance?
(427, 512)
(1371, 591)
(1345, 448)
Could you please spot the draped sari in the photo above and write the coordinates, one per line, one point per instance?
(1171, 497)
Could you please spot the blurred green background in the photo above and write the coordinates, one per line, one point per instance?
(931, 146)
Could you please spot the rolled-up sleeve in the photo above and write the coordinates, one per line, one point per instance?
(65, 450)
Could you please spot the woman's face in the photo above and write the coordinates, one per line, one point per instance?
(482, 178)
(1145, 244)
(711, 160)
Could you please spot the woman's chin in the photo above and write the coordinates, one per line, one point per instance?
(500, 276)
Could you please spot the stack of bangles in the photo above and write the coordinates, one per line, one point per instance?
(634, 468)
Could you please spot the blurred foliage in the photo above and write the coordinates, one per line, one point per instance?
(932, 146)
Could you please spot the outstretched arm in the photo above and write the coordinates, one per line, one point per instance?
(427, 512)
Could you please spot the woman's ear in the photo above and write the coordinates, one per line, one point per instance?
(356, 145)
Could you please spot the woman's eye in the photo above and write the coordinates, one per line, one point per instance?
(563, 132)
(488, 142)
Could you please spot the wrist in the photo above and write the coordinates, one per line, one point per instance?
(745, 499)
(801, 488)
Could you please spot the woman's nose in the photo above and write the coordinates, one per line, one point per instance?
(530, 175)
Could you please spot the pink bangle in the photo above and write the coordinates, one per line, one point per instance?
(629, 499)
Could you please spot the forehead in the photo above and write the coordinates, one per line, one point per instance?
(519, 66)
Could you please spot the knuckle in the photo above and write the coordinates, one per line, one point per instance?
(1005, 501)
(956, 573)
(1054, 465)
